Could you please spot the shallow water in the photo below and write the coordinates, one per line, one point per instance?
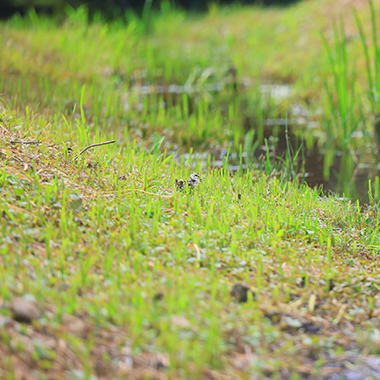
(351, 181)
(309, 166)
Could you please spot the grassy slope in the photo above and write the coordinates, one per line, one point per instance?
(97, 266)
(134, 278)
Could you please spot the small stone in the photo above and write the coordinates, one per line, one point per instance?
(103, 368)
(180, 321)
(24, 310)
(158, 296)
(240, 292)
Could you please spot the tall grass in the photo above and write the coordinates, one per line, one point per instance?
(344, 109)
(341, 120)
(372, 58)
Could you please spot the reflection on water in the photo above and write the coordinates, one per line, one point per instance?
(346, 175)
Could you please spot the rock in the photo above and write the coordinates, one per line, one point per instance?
(24, 310)
(240, 292)
(158, 296)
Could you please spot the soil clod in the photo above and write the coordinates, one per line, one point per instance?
(240, 292)
(158, 296)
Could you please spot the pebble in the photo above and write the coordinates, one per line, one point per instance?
(24, 310)
(240, 292)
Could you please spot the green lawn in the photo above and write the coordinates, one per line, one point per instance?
(123, 275)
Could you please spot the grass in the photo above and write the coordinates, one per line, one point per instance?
(102, 244)
(132, 275)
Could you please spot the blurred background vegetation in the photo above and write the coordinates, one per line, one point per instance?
(115, 8)
(262, 79)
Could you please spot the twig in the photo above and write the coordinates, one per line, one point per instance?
(17, 159)
(16, 208)
(94, 145)
(197, 249)
(26, 142)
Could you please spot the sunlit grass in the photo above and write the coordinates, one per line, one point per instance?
(134, 275)
(101, 238)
